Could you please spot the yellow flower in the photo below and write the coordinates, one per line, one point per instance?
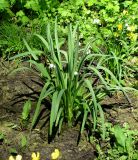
(120, 27)
(36, 156)
(132, 36)
(55, 154)
(132, 28)
(18, 157)
(125, 12)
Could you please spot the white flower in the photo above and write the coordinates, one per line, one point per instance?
(88, 52)
(79, 44)
(96, 21)
(51, 66)
(128, 28)
(75, 73)
(126, 24)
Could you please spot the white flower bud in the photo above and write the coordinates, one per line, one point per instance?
(126, 25)
(51, 66)
(75, 73)
(96, 21)
(88, 52)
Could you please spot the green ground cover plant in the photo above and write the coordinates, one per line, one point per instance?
(121, 143)
(118, 18)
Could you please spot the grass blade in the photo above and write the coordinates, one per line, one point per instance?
(85, 106)
(95, 104)
(56, 99)
(37, 111)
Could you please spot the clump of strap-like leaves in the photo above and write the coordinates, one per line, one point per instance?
(74, 81)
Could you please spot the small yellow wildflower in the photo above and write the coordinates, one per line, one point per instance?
(18, 157)
(132, 36)
(36, 156)
(132, 28)
(55, 154)
(120, 27)
(125, 12)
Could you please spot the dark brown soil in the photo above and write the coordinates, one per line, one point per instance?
(18, 87)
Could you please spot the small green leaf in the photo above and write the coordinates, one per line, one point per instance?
(1, 136)
(120, 136)
(20, 13)
(85, 106)
(26, 110)
(23, 141)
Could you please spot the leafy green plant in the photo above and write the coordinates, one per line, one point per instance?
(73, 87)
(121, 143)
(109, 14)
(4, 4)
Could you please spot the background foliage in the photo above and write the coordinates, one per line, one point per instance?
(109, 13)
(113, 22)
